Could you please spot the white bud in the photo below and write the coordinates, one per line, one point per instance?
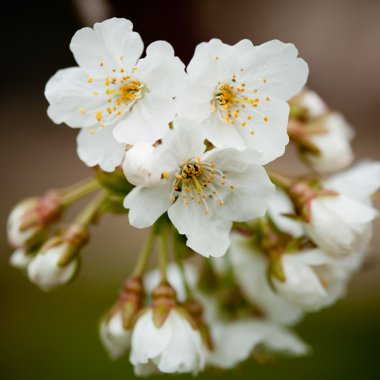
(20, 259)
(16, 237)
(339, 225)
(138, 165)
(334, 145)
(302, 285)
(45, 272)
(175, 347)
(115, 338)
(313, 103)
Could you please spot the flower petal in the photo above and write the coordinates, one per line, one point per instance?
(160, 70)
(99, 147)
(209, 235)
(72, 100)
(110, 45)
(147, 204)
(275, 63)
(148, 119)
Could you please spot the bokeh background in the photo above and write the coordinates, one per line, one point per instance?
(53, 336)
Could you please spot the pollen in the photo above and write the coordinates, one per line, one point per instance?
(82, 110)
(90, 79)
(265, 118)
(165, 175)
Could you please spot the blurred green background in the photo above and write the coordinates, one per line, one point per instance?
(54, 335)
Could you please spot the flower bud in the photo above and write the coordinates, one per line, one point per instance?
(45, 271)
(57, 261)
(301, 285)
(28, 220)
(138, 165)
(174, 347)
(115, 338)
(333, 145)
(307, 105)
(115, 328)
(339, 225)
(20, 259)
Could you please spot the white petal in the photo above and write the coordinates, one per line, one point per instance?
(279, 339)
(20, 259)
(99, 147)
(139, 165)
(252, 187)
(334, 145)
(359, 182)
(147, 204)
(72, 100)
(222, 134)
(160, 70)
(114, 337)
(45, 272)
(208, 234)
(269, 126)
(110, 45)
(281, 204)
(302, 285)
(148, 119)
(234, 342)
(277, 63)
(339, 224)
(251, 267)
(148, 341)
(185, 352)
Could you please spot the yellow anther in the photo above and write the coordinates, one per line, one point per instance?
(98, 115)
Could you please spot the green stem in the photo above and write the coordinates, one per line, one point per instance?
(145, 254)
(181, 267)
(88, 214)
(163, 253)
(76, 192)
(280, 180)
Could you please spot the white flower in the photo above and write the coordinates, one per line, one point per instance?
(313, 279)
(239, 92)
(233, 341)
(202, 192)
(139, 165)
(174, 347)
(45, 272)
(115, 338)
(236, 341)
(113, 95)
(251, 267)
(335, 152)
(20, 259)
(339, 225)
(16, 236)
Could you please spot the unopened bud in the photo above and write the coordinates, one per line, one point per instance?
(28, 220)
(20, 259)
(164, 300)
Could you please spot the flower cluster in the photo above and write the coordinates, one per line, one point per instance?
(182, 150)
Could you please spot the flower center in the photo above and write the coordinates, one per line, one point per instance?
(122, 92)
(224, 96)
(199, 182)
(237, 104)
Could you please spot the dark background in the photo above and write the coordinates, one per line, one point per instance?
(53, 336)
